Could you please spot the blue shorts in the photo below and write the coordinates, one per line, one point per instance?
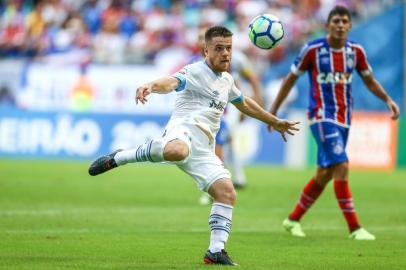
(223, 135)
(331, 142)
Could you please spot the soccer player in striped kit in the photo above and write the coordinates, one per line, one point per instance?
(330, 63)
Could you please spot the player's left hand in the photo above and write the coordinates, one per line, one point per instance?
(394, 108)
(285, 126)
(142, 92)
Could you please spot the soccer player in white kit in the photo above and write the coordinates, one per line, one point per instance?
(204, 89)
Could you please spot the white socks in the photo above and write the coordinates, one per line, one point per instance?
(150, 151)
(220, 225)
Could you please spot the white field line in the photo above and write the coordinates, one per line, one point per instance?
(270, 229)
(130, 210)
(146, 209)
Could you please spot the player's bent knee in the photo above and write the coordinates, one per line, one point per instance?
(176, 150)
(227, 196)
(343, 166)
(341, 171)
(231, 196)
(223, 191)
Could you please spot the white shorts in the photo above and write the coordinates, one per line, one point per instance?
(202, 163)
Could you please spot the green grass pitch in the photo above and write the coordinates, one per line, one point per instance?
(54, 216)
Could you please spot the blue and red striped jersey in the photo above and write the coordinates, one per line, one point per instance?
(330, 75)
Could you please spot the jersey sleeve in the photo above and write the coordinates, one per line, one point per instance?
(302, 61)
(235, 95)
(362, 65)
(181, 75)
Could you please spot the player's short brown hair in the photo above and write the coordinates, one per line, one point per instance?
(339, 10)
(217, 31)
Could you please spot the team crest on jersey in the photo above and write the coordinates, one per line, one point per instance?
(216, 93)
(350, 62)
(349, 57)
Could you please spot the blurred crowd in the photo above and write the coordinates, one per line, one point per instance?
(138, 31)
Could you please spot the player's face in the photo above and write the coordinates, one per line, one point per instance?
(338, 27)
(218, 53)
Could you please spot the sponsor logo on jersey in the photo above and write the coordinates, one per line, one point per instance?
(217, 105)
(216, 93)
(336, 77)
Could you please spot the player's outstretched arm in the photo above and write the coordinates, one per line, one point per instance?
(160, 86)
(377, 89)
(249, 107)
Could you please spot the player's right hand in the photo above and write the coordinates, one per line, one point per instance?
(142, 93)
(394, 108)
(285, 126)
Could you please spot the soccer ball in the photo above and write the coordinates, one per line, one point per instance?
(266, 31)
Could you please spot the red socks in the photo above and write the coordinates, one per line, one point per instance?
(312, 191)
(309, 195)
(344, 198)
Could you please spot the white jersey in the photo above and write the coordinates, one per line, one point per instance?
(202, 97)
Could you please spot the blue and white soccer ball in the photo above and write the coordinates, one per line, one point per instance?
(266, 31)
